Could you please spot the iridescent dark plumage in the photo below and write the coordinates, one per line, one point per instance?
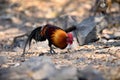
(53, 34)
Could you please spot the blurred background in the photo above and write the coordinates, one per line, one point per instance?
(18, 17)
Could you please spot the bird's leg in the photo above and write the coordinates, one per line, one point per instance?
(23, 54)
(51, 49)
(69, 48)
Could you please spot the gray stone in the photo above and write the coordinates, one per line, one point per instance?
(42, 68)
(3, 60)
(87, 31)
(44, 72)
(88, 73)
(34, 68)
(66, 73)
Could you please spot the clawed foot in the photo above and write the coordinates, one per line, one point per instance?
(23, 55)
(52, 52)
(68, 49)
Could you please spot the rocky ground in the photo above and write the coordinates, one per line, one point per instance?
(94, 61)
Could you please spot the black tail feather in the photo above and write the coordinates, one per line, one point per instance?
(30, 37)
(70, 29)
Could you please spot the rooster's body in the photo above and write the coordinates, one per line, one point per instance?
(55, 36)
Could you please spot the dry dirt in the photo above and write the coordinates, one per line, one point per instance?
(19, 16)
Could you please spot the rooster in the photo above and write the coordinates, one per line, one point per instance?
(56, 36)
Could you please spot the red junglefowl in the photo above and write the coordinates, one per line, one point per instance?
(56, 36)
